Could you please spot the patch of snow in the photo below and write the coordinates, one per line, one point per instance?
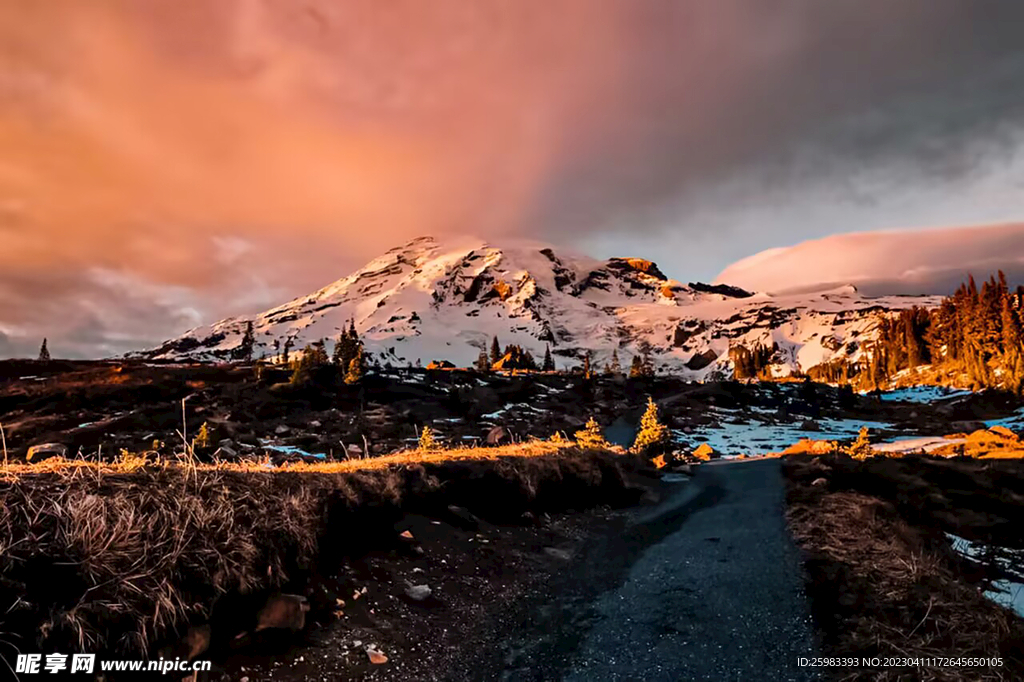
(759, 438)
(1015, 422)
(922, 394)
(1008, 593)
(916, 444)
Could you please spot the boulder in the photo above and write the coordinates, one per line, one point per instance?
(418, 592)
(705, 452)
(810, 425)
(282, 430)
(46, 451)
(498, 435)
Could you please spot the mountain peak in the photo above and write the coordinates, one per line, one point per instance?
(446, 299)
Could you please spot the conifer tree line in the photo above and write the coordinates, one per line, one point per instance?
(752, 363)
(976, 332)
(348, 360)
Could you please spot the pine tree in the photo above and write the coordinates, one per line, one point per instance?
(636, 367)
(652, 433)
(615, 367)
(587, 373)
(286, 351)
(647, 365)
(44, 352)
(248, 343)
(861, 447)
(591, 436)
(495, 350)
(483, 363)
(356, 367)
(549, 362)
(427, 439)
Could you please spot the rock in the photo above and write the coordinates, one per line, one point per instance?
(819, 482)
(283, 611)
(281, 430)
(226, 443)
(560, 554)
(1004, 432)
(810, 425)
(354, 451)
(228, 451)
(314, 424)
(497, 436)
(418, 592)
(705, 452)
(46, 451)
(407, 535)
(377, 657)
(463, 518)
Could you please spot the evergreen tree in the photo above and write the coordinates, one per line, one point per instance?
(44, 352)
(587, 373)
(636, 367)
(356, 366)
(495, 350)
(248, 343)
(615, 367)
(483, 363)
(652, 434)
(427, 441)
(286, 351)
(314, 356)
(591, 436)
(549, 362)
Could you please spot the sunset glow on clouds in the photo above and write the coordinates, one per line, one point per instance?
(167, 162)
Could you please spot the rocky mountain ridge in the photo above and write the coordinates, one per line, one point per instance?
(445, 300)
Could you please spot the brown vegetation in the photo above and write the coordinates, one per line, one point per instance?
(882, 577)
(121, 556)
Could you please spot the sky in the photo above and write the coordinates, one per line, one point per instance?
(166, 163)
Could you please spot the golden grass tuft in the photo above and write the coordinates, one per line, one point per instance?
(118, 556)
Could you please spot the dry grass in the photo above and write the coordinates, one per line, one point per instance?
(121, 555)
(130, 462)
(883, 588)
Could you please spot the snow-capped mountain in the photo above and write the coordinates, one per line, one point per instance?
(433, 300)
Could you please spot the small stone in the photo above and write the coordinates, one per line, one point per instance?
(282, 430)
(561, 554)
(819, 482)
(406, 534)
(377, 657)
(418, 592)
(315, 424)
(46, 450)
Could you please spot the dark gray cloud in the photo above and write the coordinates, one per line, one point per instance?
(786, 90)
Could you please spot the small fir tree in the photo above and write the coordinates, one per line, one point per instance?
(587, 371)
(44, 352)
(615, 368)
(483, 363)
(248, 343)
(636, 367)
(495, 350)
(860, 448)
(549, 362)
(203, 437)
(652, 433)
(356, 367)
(427, 439)
(591, 436)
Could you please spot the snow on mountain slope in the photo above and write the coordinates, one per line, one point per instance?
(431, 300)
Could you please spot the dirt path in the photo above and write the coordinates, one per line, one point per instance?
(713, 591)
